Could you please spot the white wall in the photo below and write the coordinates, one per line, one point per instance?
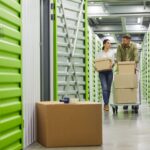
(31, 66)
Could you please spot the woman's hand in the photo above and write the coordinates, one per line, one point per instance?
(95, 68)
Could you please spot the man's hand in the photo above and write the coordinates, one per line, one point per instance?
(136, 68)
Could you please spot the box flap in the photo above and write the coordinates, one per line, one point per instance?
(71, 103)
(102, 59)
(126, 63)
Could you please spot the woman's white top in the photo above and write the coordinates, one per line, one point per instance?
(109, 54)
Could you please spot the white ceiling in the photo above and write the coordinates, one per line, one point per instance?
(120, 16)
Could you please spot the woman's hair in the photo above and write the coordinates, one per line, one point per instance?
(104, 42)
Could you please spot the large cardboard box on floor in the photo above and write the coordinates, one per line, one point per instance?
(74, 124)
(126, 67)
(125, 81)
(125, 96)
(102, 64)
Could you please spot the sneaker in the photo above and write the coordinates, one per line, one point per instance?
(106, 107)
(125, 107)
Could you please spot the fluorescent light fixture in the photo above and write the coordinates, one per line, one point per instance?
(107, 34)
(139, 20)
(92, 2)
(93, 9)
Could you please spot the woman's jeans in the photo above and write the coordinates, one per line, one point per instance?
(106, 78)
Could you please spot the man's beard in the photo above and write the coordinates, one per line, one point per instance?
(125, 45)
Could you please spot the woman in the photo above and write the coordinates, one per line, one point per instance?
(106, 77)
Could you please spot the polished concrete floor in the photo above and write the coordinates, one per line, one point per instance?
(125, 131)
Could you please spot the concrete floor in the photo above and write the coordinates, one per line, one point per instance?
(126, 131)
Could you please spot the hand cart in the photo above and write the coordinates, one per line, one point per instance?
(135, 106)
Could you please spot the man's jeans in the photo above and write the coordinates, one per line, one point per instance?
(106, 78)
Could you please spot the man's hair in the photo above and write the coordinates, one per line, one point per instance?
(127, 36)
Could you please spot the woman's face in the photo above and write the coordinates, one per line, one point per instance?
(107, 45)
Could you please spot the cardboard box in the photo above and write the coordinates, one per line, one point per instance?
(102, 64)
(62, 125)
(125, 81)
(126, 67)
(125, 96)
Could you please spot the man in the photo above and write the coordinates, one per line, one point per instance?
(127, 51)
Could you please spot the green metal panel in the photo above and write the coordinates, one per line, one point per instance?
(11, 118)
(55, 54)
(145, 74)
(70, 49)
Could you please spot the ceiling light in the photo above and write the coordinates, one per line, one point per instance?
(92, 2)
(107, 34)
(139, 20)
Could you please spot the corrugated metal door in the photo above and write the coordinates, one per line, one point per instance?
(98, 89)
(145, 65)
(95, 93)
(31, 66)
(71, 49)
(11, 122)
(91, 65)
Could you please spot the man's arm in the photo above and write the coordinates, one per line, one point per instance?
(118, 54)
(136, 57)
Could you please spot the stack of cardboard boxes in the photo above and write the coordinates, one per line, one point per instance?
(125, 84)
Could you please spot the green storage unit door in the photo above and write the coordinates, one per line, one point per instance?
(71, 49)
(10, 76)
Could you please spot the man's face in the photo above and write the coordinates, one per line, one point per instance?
(125, 41)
